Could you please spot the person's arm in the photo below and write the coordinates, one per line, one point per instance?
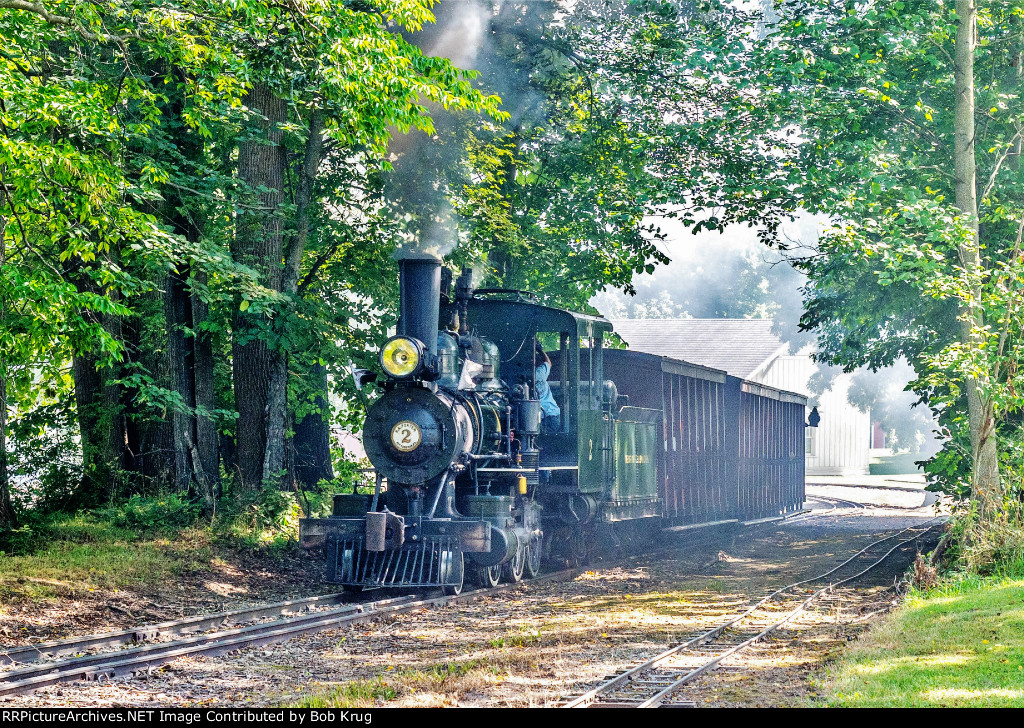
(544, 354)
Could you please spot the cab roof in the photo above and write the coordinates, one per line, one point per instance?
(521, 317)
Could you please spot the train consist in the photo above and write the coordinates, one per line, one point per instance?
(469, 485)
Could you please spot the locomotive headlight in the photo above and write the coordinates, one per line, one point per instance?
(401, 356)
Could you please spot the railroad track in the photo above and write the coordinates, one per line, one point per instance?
(146, 657)
(836, 504)
(860, 504)
(152, 632)
(40, 665)
(841, 502)
(658, 681)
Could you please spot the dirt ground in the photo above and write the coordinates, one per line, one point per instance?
(545, 642)
(229, 580)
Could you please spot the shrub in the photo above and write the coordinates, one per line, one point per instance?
(44, 460)
(152, 513)
(270, 519)
(988, 546)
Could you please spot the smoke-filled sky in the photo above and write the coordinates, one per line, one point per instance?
(415, 185)
(713, 274)
(469, 33)
(733, 275)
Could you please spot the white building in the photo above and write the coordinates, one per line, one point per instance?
(748, 349)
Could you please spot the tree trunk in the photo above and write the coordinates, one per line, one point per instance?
(277, 411)
(985, 486)
(178, 314)
(206, 395)
(190, 358)
(133, 459)
(7, 520)
(113, 420)
(258, 244)
(155, 438)
(313, 436)
(101, 427)
(88, 402)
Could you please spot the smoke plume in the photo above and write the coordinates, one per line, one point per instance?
(489, 36)
(416, 186)
(733, 275)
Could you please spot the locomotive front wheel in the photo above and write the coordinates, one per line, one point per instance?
(533, 557)
(458, 570)
(512, 570)
(488, 576)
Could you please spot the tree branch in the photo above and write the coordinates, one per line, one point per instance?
(995, 171)
(314, 269)
(53, 19)
(25, 70)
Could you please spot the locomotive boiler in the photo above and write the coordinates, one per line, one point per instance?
(469, 486)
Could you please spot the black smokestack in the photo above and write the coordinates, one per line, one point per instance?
(420, 299)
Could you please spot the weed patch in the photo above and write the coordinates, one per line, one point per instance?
(357, 694)
(522, 639)
(152, 513)
(989, 547)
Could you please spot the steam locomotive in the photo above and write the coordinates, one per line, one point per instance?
(469, 486)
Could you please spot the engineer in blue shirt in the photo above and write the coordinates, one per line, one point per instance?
(552, 415)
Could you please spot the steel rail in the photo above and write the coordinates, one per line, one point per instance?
(591, 696)
(806, 516)
(149, 632)
(135, 660)
(660, 697)
(809, 514)
(861, 504)
(849, 503)
(153, 650)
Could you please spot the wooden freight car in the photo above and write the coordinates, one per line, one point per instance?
(730, 450)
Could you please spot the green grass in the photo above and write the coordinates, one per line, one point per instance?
(961, 644)
(72, 554)
(439, 679)
(139, 543)
(358, 694)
